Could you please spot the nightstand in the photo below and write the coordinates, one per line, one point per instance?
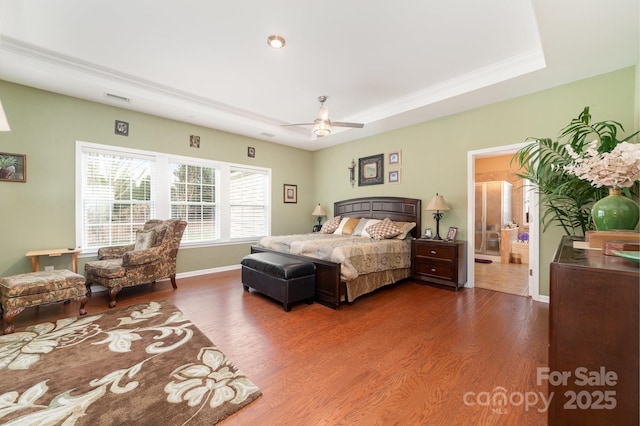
(439, 262)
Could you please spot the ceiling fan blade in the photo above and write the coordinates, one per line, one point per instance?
(297, 124)
(343, 124)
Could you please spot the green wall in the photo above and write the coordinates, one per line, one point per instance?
(434, 153)
(39, 214)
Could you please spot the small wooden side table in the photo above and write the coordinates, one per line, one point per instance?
(440, 262)
(35, 257)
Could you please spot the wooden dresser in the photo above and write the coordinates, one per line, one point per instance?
(593, 338)
(439, 262)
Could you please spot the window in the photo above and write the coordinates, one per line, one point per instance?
(119, 189)
(248, 203)
(193, 198)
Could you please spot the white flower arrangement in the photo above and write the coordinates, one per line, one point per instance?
(616, 169)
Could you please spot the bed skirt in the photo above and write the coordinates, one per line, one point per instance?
(367, 283)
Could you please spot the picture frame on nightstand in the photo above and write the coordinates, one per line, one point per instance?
(427, 234)
(451, 234)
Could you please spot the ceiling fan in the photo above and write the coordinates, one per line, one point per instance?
(322, 125)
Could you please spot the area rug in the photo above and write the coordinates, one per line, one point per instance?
(483, 260)
(146, 364)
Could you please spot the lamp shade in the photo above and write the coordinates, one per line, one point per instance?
(318, 211)
(437, 203)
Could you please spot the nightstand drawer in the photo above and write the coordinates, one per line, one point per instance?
(435, 251)
(436, 268)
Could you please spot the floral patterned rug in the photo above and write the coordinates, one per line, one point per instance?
(146, 364)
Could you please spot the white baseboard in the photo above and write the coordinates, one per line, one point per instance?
(542, 298)
(207, 271)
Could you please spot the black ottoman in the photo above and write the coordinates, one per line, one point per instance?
(284, 278)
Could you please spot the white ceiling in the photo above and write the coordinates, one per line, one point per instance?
(387, 64)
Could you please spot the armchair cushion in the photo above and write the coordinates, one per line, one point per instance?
(109, 268)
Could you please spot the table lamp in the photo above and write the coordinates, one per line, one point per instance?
(437, 204)
(319, 212)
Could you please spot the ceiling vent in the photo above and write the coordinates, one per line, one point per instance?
(117, 98)
(267, 135)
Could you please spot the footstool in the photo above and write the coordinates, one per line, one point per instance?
(284, 278)
(37, 288)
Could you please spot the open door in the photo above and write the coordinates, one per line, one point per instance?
(487, 238)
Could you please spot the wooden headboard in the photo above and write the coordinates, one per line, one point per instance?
(395, 208)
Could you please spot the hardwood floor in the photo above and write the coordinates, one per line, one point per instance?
(408, 354)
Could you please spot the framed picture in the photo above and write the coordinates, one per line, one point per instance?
(371, 170)
(194, 141)
(451, 235)
(13, 167)
(427, 233)
(290, 193)
(394, 157)
(122, 128)
(394, 176)
(251, 152)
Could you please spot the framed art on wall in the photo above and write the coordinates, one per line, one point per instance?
(290, 193)
(394, 176)
(122, 128)
(13, 167)
(394, 157)
(194, 141)
(371, 170)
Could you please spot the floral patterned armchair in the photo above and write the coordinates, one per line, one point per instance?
(152, 257)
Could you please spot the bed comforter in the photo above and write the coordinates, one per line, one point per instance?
(357, 255)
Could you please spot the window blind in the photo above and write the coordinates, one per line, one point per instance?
(117, 197)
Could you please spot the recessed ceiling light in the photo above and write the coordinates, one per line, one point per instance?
(276, 41)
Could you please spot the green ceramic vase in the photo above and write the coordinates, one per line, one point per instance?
(615, 211)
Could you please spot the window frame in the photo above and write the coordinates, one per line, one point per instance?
(162, 185)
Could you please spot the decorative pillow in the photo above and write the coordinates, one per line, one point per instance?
(405, 228)
(363, 223)
(383, 230)
(347, 225)
(330, 226)
(370, 222)
(338, 230)
(145, 239)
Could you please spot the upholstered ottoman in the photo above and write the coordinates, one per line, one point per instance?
(284, 278)
(37, 288)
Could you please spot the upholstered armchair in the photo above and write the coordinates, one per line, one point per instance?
(152, 257)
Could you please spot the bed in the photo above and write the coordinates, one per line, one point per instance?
(336, 280)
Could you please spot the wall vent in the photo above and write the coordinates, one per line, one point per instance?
(117, 97)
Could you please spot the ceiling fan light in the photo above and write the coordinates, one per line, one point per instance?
(276, 41)
(321, 128)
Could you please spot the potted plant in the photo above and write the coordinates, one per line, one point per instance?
(7, 166)
(567, 197)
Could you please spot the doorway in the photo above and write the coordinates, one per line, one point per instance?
(503, 230)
